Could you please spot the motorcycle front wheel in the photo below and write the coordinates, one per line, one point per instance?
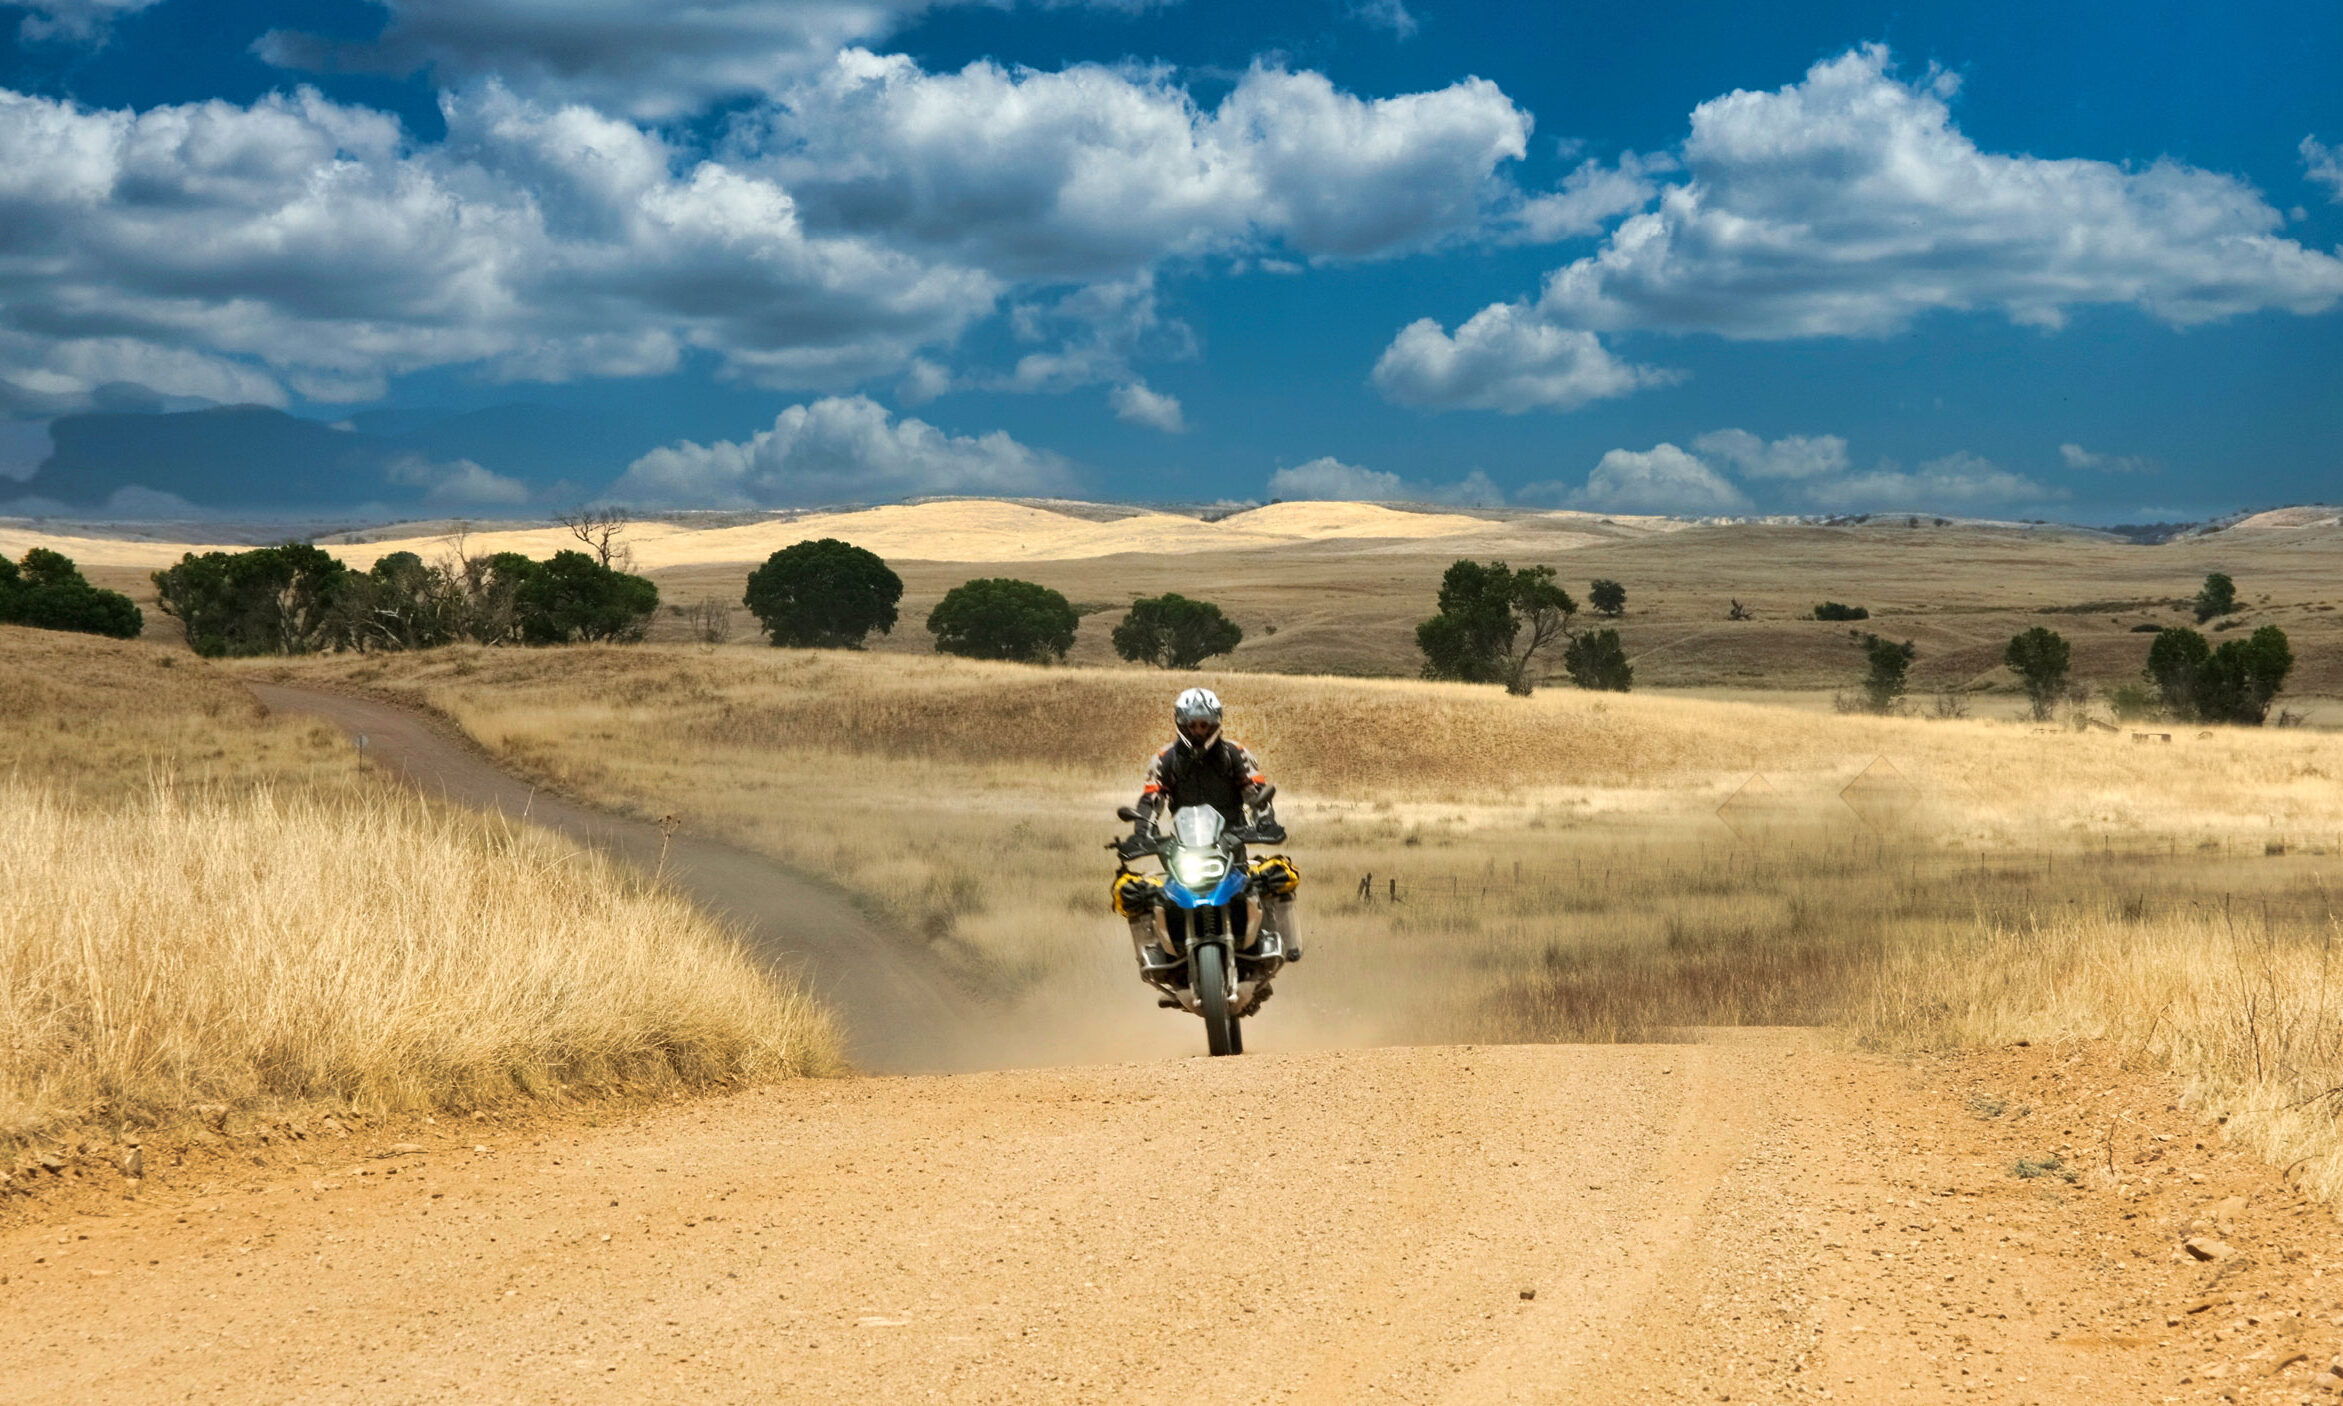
(1220, 1024)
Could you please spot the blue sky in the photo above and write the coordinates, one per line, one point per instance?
(1699, 258)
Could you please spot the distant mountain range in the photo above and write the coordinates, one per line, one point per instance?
(253, 459)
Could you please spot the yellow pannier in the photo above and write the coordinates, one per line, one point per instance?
(1276, 876)
(1133, 894)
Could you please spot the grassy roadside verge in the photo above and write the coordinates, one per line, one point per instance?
(206, 912)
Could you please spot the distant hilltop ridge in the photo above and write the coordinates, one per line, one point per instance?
(1009, 530)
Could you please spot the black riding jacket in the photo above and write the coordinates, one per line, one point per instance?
(1222, 775)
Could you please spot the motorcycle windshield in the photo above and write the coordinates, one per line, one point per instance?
(1195, 860)
(1198, 827)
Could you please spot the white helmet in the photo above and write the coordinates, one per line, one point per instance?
(1196, 716)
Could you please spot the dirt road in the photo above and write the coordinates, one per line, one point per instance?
(895, 1015)
(1751, 1218)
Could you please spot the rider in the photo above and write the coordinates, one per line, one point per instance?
(1203, 768)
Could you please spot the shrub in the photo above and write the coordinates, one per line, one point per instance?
(273, 600)
(47, 592)
(998, 617)
(2039, 658)
(823, 594)
(1832, 610)
(1597, 661)
(2232, 684)
(401, 603)
(1884, 684)
(1485, 609)
(1608, 597)
(1173, 632)
(573, 597)
(2218, 596)
(2134, 702)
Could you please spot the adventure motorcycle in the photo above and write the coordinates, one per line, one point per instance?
(1212, 954)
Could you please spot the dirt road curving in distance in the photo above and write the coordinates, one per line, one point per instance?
(896, 1015)
(1752, 1218)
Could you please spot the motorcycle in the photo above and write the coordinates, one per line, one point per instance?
(1211, 955)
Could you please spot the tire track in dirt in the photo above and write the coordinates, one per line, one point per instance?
(895, 1013)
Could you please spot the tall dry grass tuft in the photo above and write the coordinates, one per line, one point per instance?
(2240, 1002)
(271, 948)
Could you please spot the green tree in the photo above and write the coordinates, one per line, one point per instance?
(824, 594)
(272, 600)
(572, 597)
(2039, 658)
(1889, 664)
(47, 592)
(2218, 596)
(2244, 675)
(2232, 684)
(400, 603)
(997, 617)
(1607, 597)
(1493, 622)
(1832, 610)
(1173, 632)
(487, 591)
(1596, 660)
(2176, 669)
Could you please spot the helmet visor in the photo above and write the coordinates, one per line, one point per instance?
(1198, 730)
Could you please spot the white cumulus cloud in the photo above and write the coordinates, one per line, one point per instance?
(838, 449)
(242, 253)
(2323, 164)
(1139, 405)
(1661, 479)
(1092, 172)
(638, 57)
(459, 483)
(2077, 457)
(75, 21)
(1328, 479)
(1505, 358)
(1959, 480)
(1590, 197)
(1849, 203)
(1790, 457)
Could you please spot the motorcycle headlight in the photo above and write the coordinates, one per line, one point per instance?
(1198, 869)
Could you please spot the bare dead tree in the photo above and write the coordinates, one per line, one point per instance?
(711, 621)
(601, 529)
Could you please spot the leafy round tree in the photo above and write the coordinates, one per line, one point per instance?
(1884, 682)
(998, 617)
(2176, 666)
(2039, 658)
(1173, 632)
(1597, 660)
(823, 594)
(1493, 621)
(1607, 597)
(574, 597)
(2218, 596)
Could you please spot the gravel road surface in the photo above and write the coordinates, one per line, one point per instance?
(1755, 1217)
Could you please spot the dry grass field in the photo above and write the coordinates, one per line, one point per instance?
(1569, 866)
(200, 906)
(1327, 588)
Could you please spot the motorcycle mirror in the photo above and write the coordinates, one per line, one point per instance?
(1126, 813)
